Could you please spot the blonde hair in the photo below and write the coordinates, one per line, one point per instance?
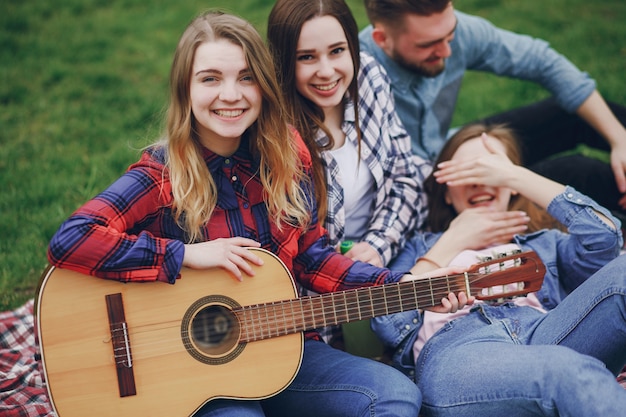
(271, 140)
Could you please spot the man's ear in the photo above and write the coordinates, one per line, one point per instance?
(380, 36)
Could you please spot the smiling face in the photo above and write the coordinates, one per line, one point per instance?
(468, 196)
(225, 98)
(324, 67)
(422, 44)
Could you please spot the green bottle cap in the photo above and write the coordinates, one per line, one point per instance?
(345, 246)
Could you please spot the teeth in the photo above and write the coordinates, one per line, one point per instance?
(481, 199)
(326, 87)
(229, 113)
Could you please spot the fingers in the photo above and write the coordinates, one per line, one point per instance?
(451, 303)
(373, 260)
(231, 254)
(511, 225)
(476, 228)
(488, 144)
(491, 169)
(450, 171)
(364, 252)
(465, 300)
(242, 241)
(241, 260)
(461, 173)
(454, 303)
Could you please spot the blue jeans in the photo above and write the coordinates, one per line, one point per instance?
(331, 383)
(516, 361)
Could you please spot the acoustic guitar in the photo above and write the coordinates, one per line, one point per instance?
(153, 349)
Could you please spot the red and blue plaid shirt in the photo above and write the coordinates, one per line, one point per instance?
(128, 232)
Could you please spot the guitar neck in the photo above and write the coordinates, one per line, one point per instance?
(279, 318)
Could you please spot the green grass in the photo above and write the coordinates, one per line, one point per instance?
(83, 84)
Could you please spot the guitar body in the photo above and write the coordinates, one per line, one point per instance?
(172, 371)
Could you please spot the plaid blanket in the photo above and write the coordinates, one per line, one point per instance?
(22, 386)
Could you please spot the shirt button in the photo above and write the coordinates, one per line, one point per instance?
(406, 326)
(233, 178)
(570, 195)
(414, 321)
(227, 161)
(246, 205)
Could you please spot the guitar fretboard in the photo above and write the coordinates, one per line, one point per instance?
(262, 321)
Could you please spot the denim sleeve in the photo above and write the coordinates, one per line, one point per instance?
(489, 48)
(572, 257)
(590, 243)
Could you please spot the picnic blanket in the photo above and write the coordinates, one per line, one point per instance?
(22, 386)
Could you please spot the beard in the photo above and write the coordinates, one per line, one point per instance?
(421, 69)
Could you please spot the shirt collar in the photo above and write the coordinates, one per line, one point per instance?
(242, 156)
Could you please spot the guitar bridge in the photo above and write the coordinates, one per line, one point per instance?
(121, 345)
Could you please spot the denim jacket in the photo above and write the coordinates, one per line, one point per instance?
(570, 258)
(426, 105)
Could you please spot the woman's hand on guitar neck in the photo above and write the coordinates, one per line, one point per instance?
(228, 253)
(452, 302)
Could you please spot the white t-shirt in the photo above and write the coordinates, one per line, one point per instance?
(358, 190)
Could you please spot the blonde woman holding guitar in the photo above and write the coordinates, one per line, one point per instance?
(198, 326)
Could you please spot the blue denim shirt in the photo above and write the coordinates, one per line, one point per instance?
(426, 105)
(570, 258)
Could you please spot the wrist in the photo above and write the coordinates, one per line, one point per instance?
(429, 261)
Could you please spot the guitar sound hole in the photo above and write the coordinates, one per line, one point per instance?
(210, 330)
(214, 330)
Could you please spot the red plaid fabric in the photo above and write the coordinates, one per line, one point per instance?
(22, 386)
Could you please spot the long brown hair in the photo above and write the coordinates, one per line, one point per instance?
(193, 188)
(283, 32)
(441, 214)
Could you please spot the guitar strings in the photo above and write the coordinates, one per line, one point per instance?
(264, 320)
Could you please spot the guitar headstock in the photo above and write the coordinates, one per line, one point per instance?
(507, 276)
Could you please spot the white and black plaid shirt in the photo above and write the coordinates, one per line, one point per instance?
(399, 202)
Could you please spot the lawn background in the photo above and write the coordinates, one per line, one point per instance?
(83, 84)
